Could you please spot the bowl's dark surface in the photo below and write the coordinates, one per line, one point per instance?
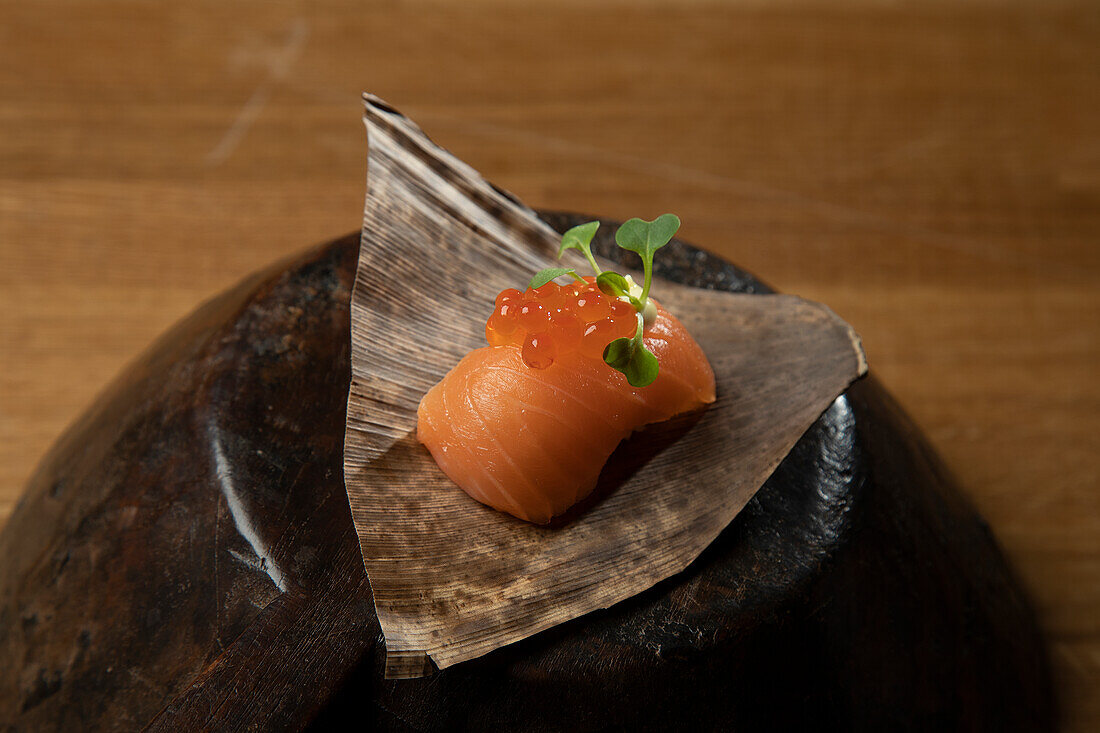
(185, 555)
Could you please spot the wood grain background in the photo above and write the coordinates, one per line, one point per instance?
(932, 172)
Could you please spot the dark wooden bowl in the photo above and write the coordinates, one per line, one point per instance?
(184, 557)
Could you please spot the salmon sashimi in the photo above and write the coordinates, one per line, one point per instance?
(532, 441)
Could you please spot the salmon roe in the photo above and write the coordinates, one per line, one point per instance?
(553, 320)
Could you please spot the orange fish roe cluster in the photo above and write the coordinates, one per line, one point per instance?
(553, 320)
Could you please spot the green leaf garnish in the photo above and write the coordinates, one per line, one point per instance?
(544, 276)
(580, 239)
(645, 238)
(612, 283)
(627, 355)
(632, 358)
(642, 369)
(618, 353)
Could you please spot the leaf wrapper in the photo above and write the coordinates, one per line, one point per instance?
(453, 579)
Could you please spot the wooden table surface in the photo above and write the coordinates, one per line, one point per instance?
(932, 172)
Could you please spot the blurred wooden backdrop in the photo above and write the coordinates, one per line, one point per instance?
(930, 171)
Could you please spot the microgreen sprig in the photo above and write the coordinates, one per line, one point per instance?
(580, 239)
(544, 276)
(645, 238)
(631, 357)
(613, 284)
(627, 355)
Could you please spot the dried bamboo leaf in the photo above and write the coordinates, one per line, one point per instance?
(453, 579)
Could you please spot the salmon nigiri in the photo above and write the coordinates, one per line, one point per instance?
(526, 424)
